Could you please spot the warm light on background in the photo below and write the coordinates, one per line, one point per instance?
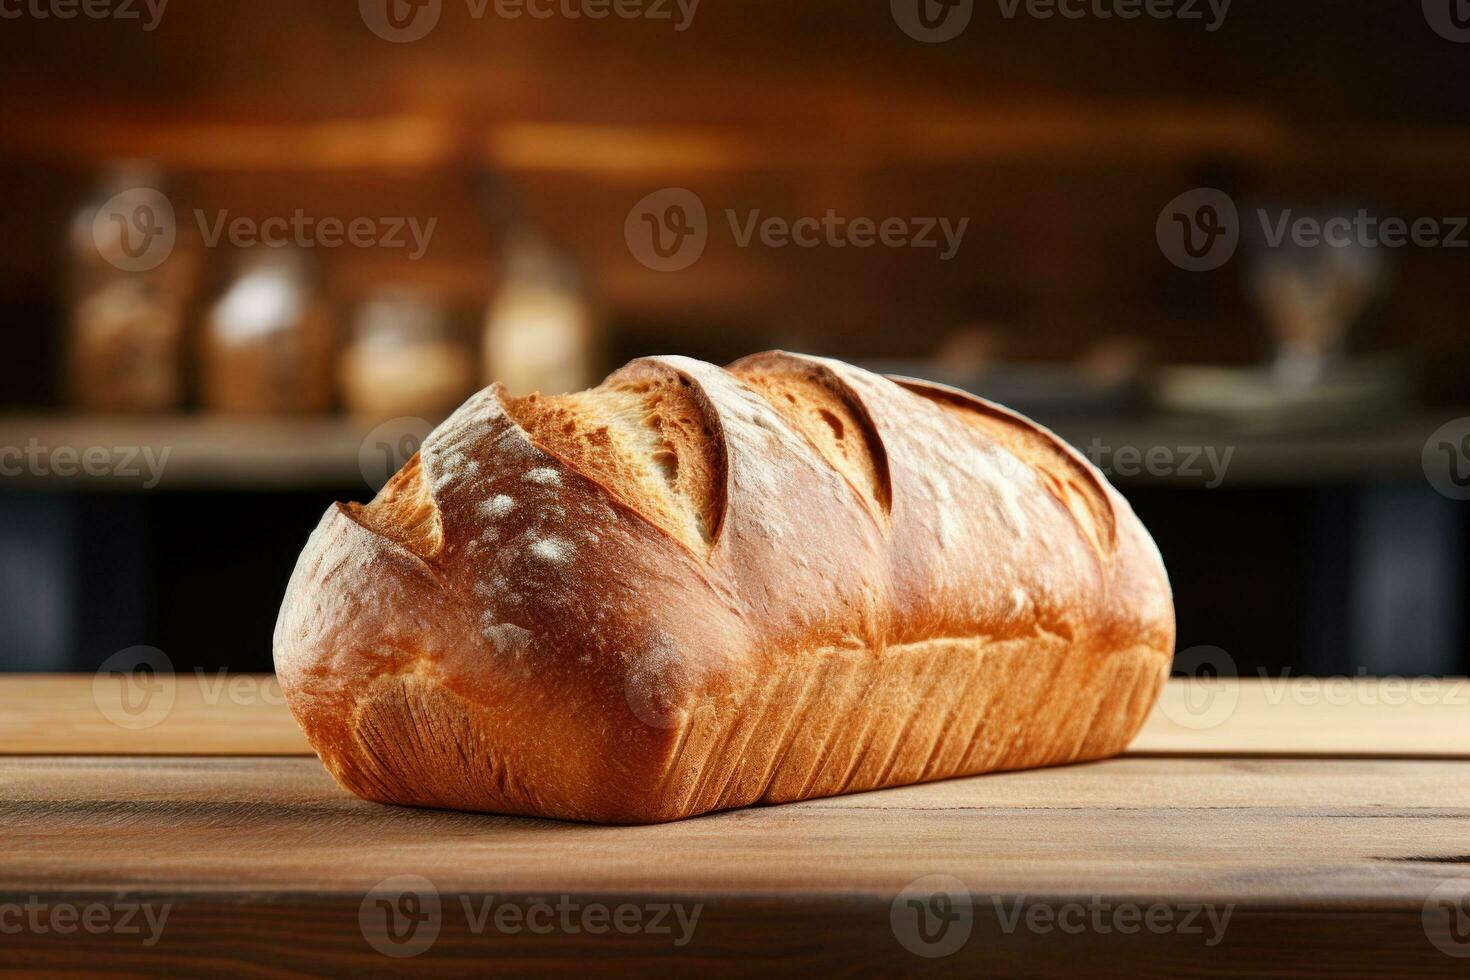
(1223, 254)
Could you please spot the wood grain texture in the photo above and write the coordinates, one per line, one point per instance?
(1263, 830)
(1331, 717)
(57, 715)
(826, 936)
(265, 866)
(184, 714)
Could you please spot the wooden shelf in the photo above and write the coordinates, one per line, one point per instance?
(1262, 456)
(206, 452)
(916, 135)
(203, 452)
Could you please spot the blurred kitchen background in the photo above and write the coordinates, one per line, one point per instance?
(1319, 543)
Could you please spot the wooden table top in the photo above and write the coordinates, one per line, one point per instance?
(1255, 828)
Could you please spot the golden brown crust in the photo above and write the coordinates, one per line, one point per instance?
(694, 588)
(646, 438)
(816, 402)
(404, 512)
(1063, 471)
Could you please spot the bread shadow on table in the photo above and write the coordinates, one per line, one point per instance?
(953, 793)
(295, 793)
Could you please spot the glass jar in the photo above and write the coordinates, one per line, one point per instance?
(404, 359)
(541, 330)
(269, 344)
(131, 280)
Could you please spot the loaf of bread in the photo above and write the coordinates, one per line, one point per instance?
(695, 588)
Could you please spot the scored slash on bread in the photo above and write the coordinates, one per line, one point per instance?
(696, 588)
